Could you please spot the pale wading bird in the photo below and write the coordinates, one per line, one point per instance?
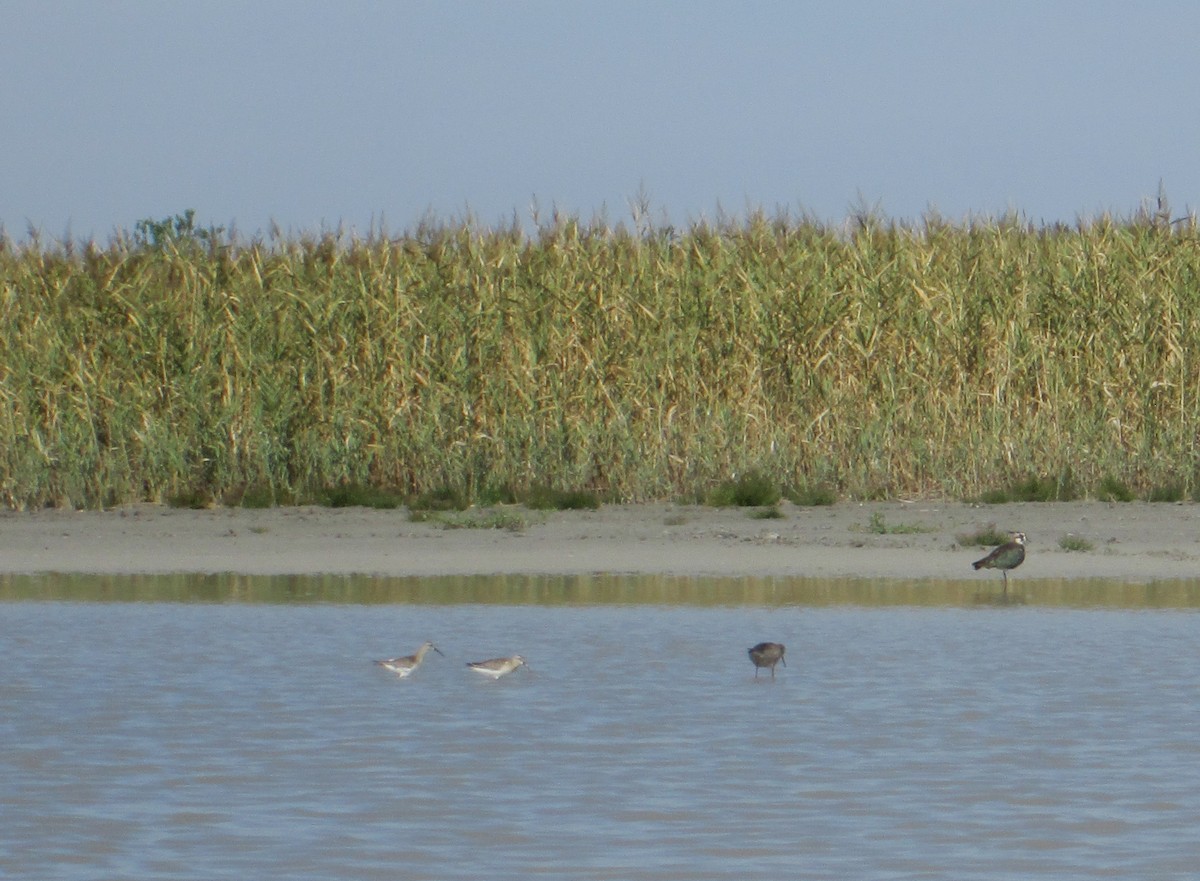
(403, 667)
(1009, 555)
(497, 667)
(767, 654)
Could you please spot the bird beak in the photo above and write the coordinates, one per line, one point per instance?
(438, 650)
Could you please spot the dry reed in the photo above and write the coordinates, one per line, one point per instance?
(884, 360)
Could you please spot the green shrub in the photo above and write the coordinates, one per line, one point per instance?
(1168, 492)
(1034, 488)
(443, 498)
(190, 497)
(544, 498)
(1113, 490)
(750, 490)
(350, 495)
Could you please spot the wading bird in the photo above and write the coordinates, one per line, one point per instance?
(767, 654)
(403, 667)
(1009, 555)
(497, 667)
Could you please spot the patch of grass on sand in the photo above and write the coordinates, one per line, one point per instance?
(878, 525)
(1071, 542)
(986, 536)
(771, 513)
(475, 519)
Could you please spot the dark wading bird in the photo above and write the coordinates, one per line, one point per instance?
(1009, 555)
(403, 667)
(767, 654)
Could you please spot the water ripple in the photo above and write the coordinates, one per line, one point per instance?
(231, 741)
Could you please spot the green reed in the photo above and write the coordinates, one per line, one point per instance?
(881, 360)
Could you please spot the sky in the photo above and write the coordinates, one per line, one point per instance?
(356, 115)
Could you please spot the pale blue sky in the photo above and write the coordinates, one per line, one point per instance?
(316, 115)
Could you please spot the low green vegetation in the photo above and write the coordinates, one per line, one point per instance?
(988, 359)
(189, 498)
(987, 536)
(1169, 492)
(509, 520)
(1035, 488)
(813, 496)
(754, 489)
(257, 496)
(544, 498)
(1071, 542)
(878, 525)
(350, 495)
(441, 498)
(769, 513)
(1114, 490)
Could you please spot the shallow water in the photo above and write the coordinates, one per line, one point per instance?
(215, 740)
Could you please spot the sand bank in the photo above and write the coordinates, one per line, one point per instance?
(1131, 542)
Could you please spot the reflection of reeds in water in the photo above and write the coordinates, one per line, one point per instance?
(586, 590)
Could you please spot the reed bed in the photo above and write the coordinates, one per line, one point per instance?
(878, 359)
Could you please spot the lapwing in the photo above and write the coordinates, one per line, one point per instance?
(1009, 555)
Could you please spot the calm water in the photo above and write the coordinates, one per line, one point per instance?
(253, 741)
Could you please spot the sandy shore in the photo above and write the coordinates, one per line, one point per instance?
(1132, 542)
